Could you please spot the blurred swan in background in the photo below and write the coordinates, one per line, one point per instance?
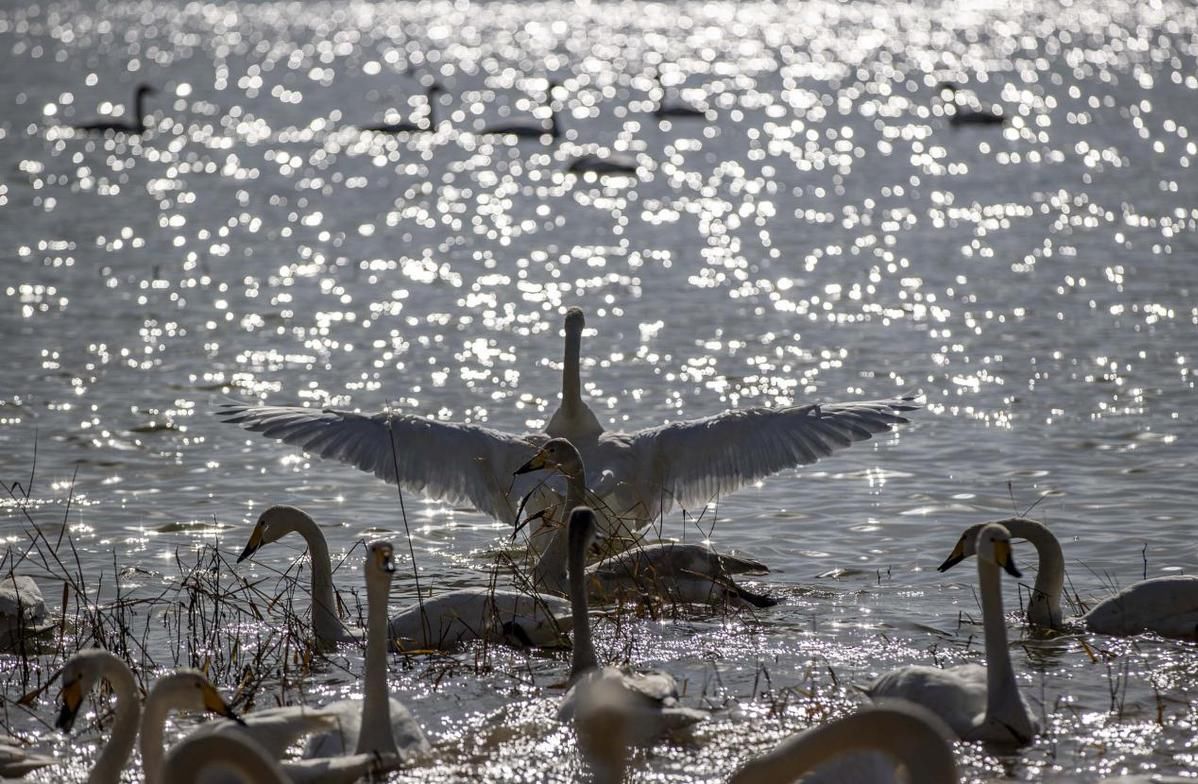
(678, 111)
(636, 476)
(431, 96)
(654, 708)
(136, 125)
(1165, 605)
(22, 611)
(442, 621)
(683, 572)
(967, 115)
(898, 733)
(977, 702)
(534, 130)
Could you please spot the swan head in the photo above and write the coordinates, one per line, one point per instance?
(79, 676)
(380, 558)
(146, 89)
(190, 690)
(273, 524)
(994, 546)
(557, 454)
(575, 320)
(966, 547)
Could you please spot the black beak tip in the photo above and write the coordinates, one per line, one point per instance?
(1012, 570)
(246, 553)
(949, 563)
(65, 720)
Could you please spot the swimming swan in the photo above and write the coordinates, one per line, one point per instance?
(530, 131)
(967, 115)
(656, 710)
(610, 164)
(377, 723)
(978, 703)
(442, 621)
(903, 734)
(683, 572)
(676, 110)
(1165, 605)
(431, 96)
(138, 124)
(638, 475)
(274, 729)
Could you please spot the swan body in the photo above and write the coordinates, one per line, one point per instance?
(442, 621)
(688, 573)
(680, 111)
(15, 761)
(635, 476)
(22, 610)
(652, 697)
(968, 115)
(613, 164)
(136, 125)
(977, 703)
(430, 96)
(897, 733)
(1167, 606)
(376, 724)
(526, 130)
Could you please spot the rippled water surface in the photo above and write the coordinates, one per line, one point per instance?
(825, 234)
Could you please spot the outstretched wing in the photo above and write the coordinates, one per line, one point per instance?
(457, 463)
(692, 462)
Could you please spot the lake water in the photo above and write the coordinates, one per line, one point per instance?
(825, 235)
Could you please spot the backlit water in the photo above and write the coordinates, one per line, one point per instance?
(827, 235)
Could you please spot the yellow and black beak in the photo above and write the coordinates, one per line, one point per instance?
(385, 557)
(1004, 558)
(955, 557)
(539, 460)
(214, 703)
(253, 544)
(72, 700)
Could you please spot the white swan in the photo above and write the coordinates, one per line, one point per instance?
(978, 703)
(442, 621)
(682, 572)
(900, 733)
(193, 759)
(15, 761)
(1165, 605)
(655, 694)
(377, 723)
(274, 729)
(638, 475)
(22, 611)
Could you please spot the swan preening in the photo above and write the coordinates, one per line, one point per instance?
(431, 95)
(135, 124)
(899, 733)
(978, 703)
(651, 698)
(444, 620)
(1167, 606)
(682, 572)
(636, 476)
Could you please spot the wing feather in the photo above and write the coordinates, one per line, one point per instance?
(693, 461)
(458, 463)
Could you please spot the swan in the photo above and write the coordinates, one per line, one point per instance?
(442, 621)
(677, 110)
(22, 610)
(274, 729)
(967, 115)
(655, 710)
(138, 123)
(430, 96)
(637, 475)
(1165, 605)
(612, 164)
(192, 758)
(683, 572)
(527, 131)
(978, 703)
(15, 761)
(377, 723)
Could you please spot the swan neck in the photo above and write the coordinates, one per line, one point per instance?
(1002, 693)
(1044, 607)
(431, 97)
(571, 379)
(554, 129)
(115, 756)
(549, 572)
(139, 110)
(376, 735)
(584, 648)
(153, 718)
(325, 621)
